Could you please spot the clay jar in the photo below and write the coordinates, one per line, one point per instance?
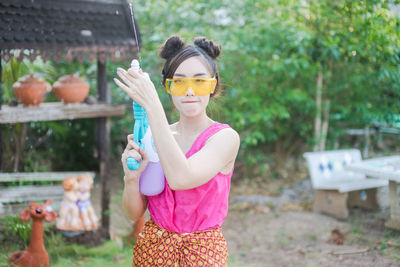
(71, 89)
(30, 90)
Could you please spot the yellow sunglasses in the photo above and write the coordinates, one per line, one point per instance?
(200, 86)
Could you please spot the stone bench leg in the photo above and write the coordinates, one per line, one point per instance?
(331, 202)
(366, 199)
(394, 221)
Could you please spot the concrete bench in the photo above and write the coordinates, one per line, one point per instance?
(337, 189)
(15, 198)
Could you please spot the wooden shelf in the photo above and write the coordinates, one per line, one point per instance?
(59, 111)
(39, 176)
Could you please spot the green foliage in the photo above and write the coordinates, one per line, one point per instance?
(356, 230)
(272, 54)
(62, 253)
(70, 144)
(357, 45)
(272, 51)
(59, 145)
(12, 225)
(10, 74)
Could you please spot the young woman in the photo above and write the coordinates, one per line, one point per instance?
(197, 155)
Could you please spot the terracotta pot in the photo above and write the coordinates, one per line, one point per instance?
(30, 90)
(71, 89)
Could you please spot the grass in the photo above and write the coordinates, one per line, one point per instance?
(14, 236)
(108, 254)
(64, 254)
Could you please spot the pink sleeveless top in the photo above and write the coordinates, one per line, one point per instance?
(196, 209)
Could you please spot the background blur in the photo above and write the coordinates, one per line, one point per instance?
(296, 76)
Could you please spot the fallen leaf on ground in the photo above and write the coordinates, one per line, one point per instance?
(337, 237)
(303, 251)
(261, 209)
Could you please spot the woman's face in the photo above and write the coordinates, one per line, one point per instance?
(191, 105)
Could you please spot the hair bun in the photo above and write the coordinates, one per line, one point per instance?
(211, 48)
(171, 46)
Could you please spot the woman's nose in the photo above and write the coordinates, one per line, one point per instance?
(189, 92)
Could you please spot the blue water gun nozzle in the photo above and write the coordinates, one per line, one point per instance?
(139, 130)
(140, 126)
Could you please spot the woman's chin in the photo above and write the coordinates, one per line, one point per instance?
(191, 113)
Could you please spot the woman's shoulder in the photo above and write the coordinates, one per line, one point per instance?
(226, 134)
(225, 128)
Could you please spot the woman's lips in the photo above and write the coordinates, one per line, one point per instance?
(186, 102)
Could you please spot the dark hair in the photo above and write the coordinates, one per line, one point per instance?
(175, 52)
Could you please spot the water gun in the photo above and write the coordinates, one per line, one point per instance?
(151, 180)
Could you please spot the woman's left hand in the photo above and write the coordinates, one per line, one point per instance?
(138, 86)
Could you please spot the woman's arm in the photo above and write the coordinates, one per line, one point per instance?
(133, 202)
(181, 173)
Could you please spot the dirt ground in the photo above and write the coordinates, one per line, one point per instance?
(294, 239)
(282, 231)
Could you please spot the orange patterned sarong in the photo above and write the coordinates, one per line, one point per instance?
(156, 246)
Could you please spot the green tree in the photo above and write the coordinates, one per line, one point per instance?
(293, 71)
(355, 46)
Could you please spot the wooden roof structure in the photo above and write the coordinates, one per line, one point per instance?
(67, 29)
(98, 30)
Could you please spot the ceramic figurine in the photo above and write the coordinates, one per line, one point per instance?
(69, 219)
(87, 214)
(35, 255)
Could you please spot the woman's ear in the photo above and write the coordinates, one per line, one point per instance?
(50, 216)
(25, 215)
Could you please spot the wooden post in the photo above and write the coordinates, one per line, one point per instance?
(367, 142)
(1, 134)
(1, 86)
(394, 220)
(318, 116)
(103, 147)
